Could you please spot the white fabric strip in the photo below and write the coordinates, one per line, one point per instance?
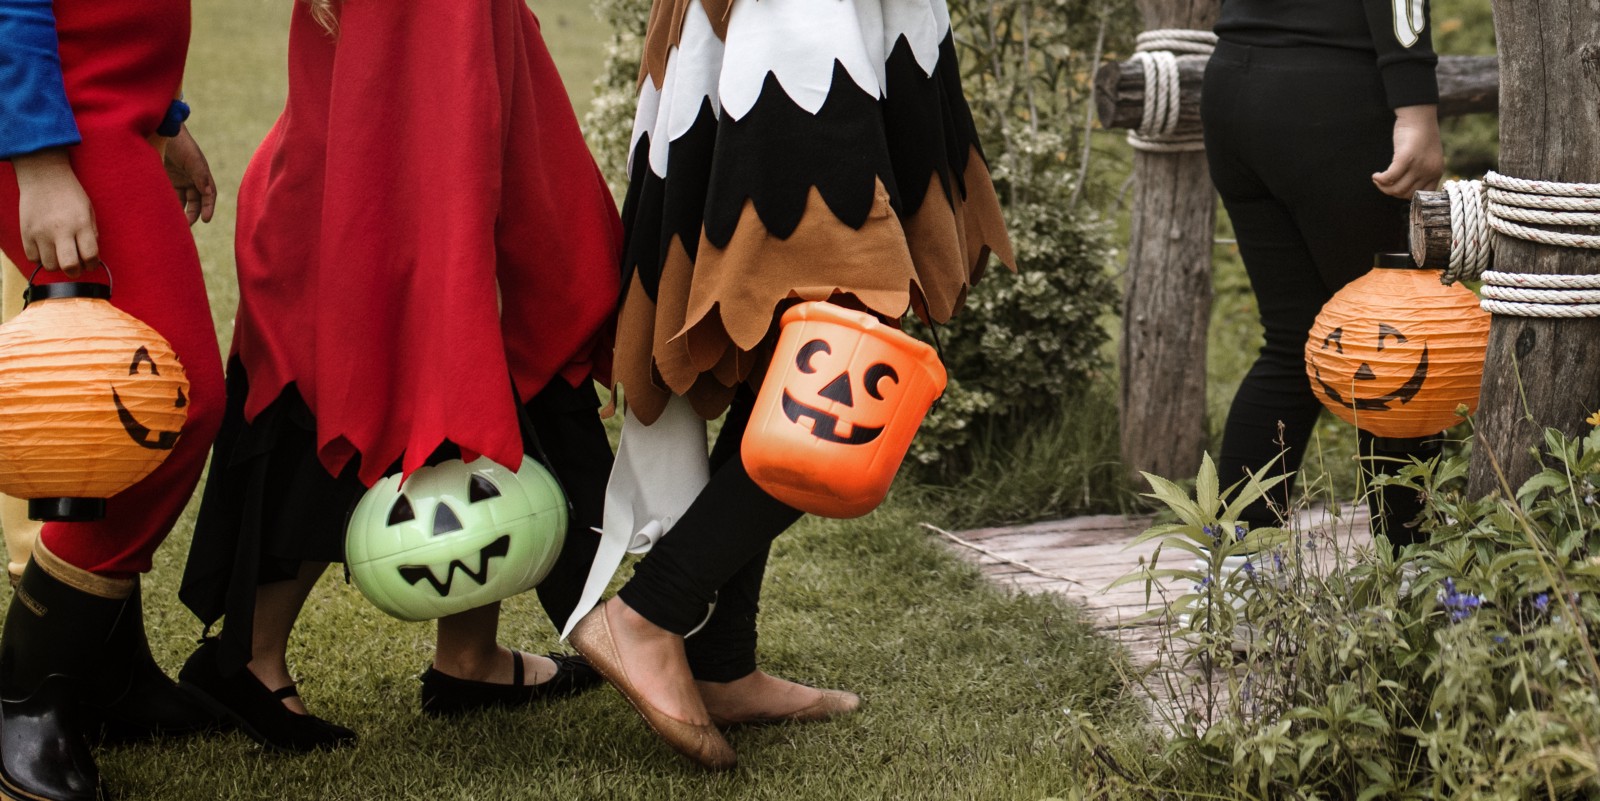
(659, 470)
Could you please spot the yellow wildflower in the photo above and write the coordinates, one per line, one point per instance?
(1593, 419)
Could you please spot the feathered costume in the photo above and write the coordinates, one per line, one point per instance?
(783, 150)
(792, 149)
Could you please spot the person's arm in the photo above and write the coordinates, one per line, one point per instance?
(1403, 38)
(191, 176)
(1418, 154)
(36, 127)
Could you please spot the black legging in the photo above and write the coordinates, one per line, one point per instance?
(1293, 136)
(716, 552)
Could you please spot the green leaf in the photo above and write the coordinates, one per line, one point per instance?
(1543, 480)
(1176, 499)
(1205, 486)
(1173, 530)
(1254, 487)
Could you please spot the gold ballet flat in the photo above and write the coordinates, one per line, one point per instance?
(701, 743)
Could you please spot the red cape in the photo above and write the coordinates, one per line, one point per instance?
(423, 226)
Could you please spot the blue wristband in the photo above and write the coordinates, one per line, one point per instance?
(172, 123)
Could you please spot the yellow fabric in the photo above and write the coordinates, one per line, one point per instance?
(20, 532)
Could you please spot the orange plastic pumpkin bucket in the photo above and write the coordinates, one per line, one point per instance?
(843, 396)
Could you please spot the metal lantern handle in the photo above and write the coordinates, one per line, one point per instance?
(67, 289)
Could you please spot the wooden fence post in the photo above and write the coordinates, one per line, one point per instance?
(1167, 302)
(1541, 372)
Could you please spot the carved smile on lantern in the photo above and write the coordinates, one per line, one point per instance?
(139, 432)
(1380, 403)
(825, 425)
(414, 574)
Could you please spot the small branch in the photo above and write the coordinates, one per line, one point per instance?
(992, 555)
(1088, 115)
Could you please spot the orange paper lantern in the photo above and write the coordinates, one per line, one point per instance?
(91, 401)
(842, 398)
(1395, 352)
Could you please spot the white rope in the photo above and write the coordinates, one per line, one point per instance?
(1529, 186)
(1511, 207)
(1535, 281)
(1156, 53)
(1533, 295)
(1507, 309)
(1518, 200)
(1560, 297)
(1469, 231)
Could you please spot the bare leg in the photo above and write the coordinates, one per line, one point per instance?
(277, 607)
(467, 649)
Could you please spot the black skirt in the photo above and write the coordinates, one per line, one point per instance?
(269, 504)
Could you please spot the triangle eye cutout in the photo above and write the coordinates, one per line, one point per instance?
(445, 521)
(1385, 330)
(480, 488)
(401, 513)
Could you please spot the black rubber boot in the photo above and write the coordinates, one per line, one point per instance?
(54, 636)
(132, 698)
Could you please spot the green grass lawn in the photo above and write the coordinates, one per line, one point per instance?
(966, 687)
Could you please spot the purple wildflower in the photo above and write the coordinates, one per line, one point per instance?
(1460, 605)
(1239, 533)
(1541, 601)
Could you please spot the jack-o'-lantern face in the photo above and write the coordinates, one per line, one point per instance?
(445, 522)
(454, 536)
(141, 434)
(1372, 390)
(840, 419)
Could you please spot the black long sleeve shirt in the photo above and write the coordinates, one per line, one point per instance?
(1397, 32)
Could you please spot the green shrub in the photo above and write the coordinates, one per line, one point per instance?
(609, 122)
(1025, 341)
(1464, 668)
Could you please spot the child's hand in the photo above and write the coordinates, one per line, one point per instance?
(57, 221)
(1418, 156)
(191, 176)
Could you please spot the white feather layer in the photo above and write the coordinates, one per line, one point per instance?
(798, 42)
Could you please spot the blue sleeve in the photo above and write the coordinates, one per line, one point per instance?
(34, 113)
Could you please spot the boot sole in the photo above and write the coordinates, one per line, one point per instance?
(10, 792)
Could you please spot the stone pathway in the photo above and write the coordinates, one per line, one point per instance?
(1078, 558)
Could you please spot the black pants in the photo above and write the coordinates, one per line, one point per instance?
(269, 505)
(1293, 136)
(716, 552)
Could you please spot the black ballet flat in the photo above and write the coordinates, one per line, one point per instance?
(447, 696)
(241, 699)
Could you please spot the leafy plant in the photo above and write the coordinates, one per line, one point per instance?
(1028, 339)
(1461, 668)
